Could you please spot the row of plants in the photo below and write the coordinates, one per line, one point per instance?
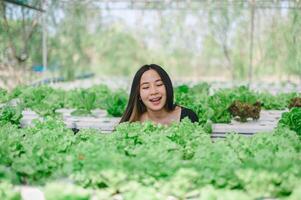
(147, 161)
(219, 107)
(46, 100)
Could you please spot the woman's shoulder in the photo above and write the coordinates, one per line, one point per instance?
(186, 112)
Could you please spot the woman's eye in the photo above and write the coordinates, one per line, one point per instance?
(160, 84)
(145, 88)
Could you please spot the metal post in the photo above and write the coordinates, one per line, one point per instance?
(250, 75)
(44, 37)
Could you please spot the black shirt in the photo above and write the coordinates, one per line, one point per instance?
(186, 112)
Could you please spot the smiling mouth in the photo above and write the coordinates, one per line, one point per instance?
(155, 100)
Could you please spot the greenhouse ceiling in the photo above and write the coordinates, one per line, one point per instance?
(166, 4)
(187, 4)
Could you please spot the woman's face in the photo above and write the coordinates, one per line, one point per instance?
(152, 90)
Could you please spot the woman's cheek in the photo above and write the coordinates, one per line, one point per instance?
(144, 96)
(163, 92)
(164, 100)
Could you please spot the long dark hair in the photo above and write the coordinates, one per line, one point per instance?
(136, 107)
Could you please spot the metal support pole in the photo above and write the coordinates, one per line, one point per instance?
(44, 37)
(250, 75)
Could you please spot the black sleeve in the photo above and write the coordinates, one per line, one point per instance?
(190, 114)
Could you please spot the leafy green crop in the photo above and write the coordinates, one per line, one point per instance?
(276, 102)
(8, 192)
(86, 102)
(209, 108)
(34, 153)
(3, 95)
(215, 107)
(147, 161)
(17, 91)
(292, 120)
(195, 98)
(11, 114)
(158, 161)
(64, 191)
(116, 103)
(222, 99)
(101, 92)
(43, 99)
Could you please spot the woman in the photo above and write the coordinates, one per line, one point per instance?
(152, 99)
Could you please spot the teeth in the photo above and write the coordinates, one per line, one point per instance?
(156, 99)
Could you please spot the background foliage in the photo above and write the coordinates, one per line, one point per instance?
(199, 42)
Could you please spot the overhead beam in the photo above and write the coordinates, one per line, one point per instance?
(19, 3)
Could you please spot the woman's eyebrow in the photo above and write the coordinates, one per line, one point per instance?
(149, 82)
(144, 83)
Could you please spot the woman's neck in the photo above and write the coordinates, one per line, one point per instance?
(162, 116)
(157, 115)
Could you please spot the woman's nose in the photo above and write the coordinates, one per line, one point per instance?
(153, 89)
